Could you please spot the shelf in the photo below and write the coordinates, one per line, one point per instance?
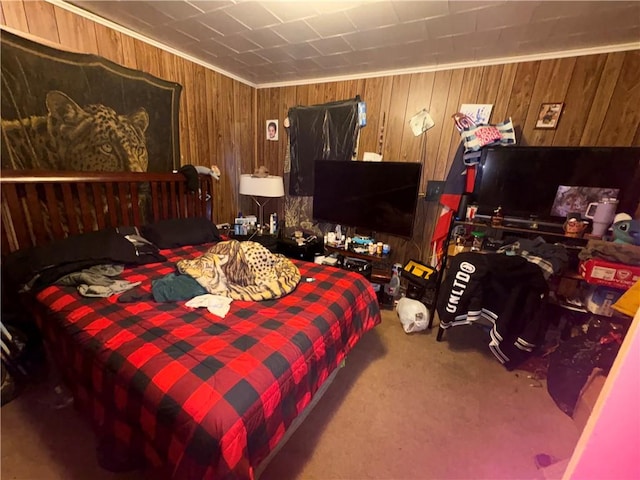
(351, 253)
(557, 233)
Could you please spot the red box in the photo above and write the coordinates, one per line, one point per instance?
(617, 275)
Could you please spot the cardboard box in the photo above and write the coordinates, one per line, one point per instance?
(610, 274)
(600, 299)
(588, 396)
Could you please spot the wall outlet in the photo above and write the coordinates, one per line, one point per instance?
(434, 190)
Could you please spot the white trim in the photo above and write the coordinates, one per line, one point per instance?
(131, 33)
(524, 342)
(452, 66)
(490, 315)
(355, 76)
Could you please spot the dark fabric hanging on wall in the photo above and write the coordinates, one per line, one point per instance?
(320, 132)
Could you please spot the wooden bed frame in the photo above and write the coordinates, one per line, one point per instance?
(41, 206)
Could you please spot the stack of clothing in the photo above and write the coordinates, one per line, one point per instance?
(551, 258)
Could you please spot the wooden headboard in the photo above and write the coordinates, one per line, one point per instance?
(40, 206)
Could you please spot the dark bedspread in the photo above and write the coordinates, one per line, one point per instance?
(205, 397)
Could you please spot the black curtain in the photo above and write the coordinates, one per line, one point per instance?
(320, 132)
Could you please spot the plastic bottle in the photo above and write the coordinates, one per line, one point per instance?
(392, 289)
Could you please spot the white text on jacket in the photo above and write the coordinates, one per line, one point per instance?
(460, 283)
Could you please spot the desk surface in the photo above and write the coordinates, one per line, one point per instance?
(380, 264)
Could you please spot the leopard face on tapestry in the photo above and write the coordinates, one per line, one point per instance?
(80, 112)
(70, 137)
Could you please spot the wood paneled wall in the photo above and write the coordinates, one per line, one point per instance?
(222, 120)
(602, 108)
(216, 112)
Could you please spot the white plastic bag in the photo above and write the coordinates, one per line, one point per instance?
(413, 315)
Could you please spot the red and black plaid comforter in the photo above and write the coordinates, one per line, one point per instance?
(204, 396)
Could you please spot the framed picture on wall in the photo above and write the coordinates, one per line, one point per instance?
(549, 115)
(272, 130)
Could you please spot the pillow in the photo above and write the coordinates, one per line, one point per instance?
(178, 232)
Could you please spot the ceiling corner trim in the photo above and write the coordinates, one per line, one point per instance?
(452, 66)
(114, 26)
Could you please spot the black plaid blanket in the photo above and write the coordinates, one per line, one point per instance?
(202, 396)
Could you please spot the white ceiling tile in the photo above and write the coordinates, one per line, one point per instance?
(392, 35)
(250, 59)
(300, 51)
(195, 29)
(289, 11)
(265, 37)
(620, 17)
(326, 7)
(148, 12)
(330, 61)
(275, 55)
(459, 6)
(177, 10)
(420, 49)
(361, 57)
(218, 49)
(330, 46)
(412, 10)
(262, 70)
(442, 45)
(209, 5)
(238, 43)
(309, 39)
(475, 39)
(222, 23)
(306, 65)
(252, 14)
(137, 24)
(331, 24)
(230, 63)
(196, 50)
(511, 35)
(452, 25)
(558, 9)
(171, 36)
(493, 51)
(295, 32)
(511, 13)
(366, 17)
(283, 67)
(455, 57)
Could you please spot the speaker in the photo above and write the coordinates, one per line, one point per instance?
(462, 208)
(363, 267)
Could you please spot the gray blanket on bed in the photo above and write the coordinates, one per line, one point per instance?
(97, 281)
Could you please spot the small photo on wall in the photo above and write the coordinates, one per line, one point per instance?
(272, 130)
(549, 115)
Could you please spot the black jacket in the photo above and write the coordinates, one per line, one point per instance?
(508, 291)
(38, 267)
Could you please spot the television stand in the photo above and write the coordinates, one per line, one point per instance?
(380, 264)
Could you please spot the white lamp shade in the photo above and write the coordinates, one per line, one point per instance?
(271, 186)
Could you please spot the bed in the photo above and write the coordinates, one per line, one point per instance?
(195, 395)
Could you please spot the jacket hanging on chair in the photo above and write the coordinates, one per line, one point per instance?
(507, 291)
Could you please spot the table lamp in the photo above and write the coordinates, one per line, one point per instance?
(267, 187)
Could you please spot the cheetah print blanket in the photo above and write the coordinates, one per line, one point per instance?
(243, 271)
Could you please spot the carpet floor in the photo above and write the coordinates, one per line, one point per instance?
(404, 407)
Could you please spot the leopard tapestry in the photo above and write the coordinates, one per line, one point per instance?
(71, 111)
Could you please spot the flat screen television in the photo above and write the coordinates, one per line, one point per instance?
(546, 183)
(375, 196)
